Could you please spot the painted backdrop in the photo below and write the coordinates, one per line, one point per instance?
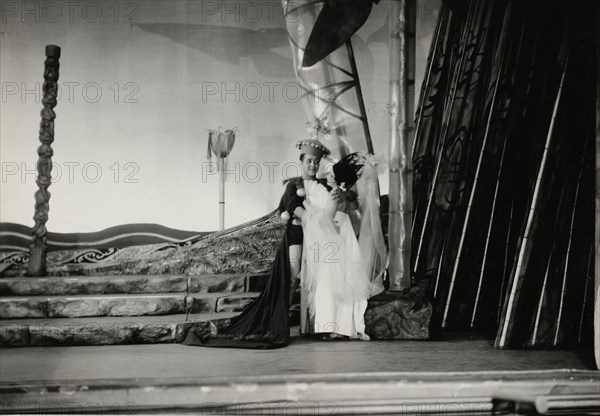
(141, 82)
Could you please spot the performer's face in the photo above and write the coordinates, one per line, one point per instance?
(310, 166)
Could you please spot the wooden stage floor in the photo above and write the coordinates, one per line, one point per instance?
(461, 367)
(456, 352)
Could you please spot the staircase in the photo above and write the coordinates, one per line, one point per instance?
(119, 309)
(156, 293)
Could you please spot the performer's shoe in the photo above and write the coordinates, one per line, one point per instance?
(363, 337)
(339, 337)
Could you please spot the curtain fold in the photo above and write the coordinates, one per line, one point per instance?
(504, 160)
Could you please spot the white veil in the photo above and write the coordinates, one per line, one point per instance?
(371, 241)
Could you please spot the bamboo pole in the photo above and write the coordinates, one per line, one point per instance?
(440, 29)
(438, 274)
(402, 69)
(431, 60)
(538, 313)
(493, 213)
(525, 242)
(597, 225)
(445, 126)
(38, 247)
(568, 256)
(463, 235)
(585, 293)
(505, 269)
(488, 235)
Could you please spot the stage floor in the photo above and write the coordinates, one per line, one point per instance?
(456, 352)
(461, 374)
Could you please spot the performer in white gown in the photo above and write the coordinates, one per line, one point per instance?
(336, 279)
(337, 273)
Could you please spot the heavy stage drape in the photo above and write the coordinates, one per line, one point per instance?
(504, 158)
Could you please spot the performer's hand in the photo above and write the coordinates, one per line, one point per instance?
(337, 195)
(299, 211)
(331, 180)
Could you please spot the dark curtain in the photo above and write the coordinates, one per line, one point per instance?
(504, 160)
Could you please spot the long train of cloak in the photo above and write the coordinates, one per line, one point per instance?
(263, 324)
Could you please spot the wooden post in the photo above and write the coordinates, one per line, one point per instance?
(402, 85)
(38, 247)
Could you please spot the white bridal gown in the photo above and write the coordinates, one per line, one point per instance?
(334, 276)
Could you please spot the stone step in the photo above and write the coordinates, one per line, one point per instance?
(120, 305)
(223, 283)
(132, 284)
(218, 302)
(91, 305)
(108, 330)
(390, 315)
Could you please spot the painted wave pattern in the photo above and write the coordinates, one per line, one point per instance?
(111, 246)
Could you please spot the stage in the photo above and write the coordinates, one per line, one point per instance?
(478, 125)
(459, 373)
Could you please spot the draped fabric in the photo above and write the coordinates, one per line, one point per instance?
(264, 323)
(504, 157)
(331, 88)
(370, 237)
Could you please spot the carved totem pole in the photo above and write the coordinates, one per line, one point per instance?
(37, 250)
